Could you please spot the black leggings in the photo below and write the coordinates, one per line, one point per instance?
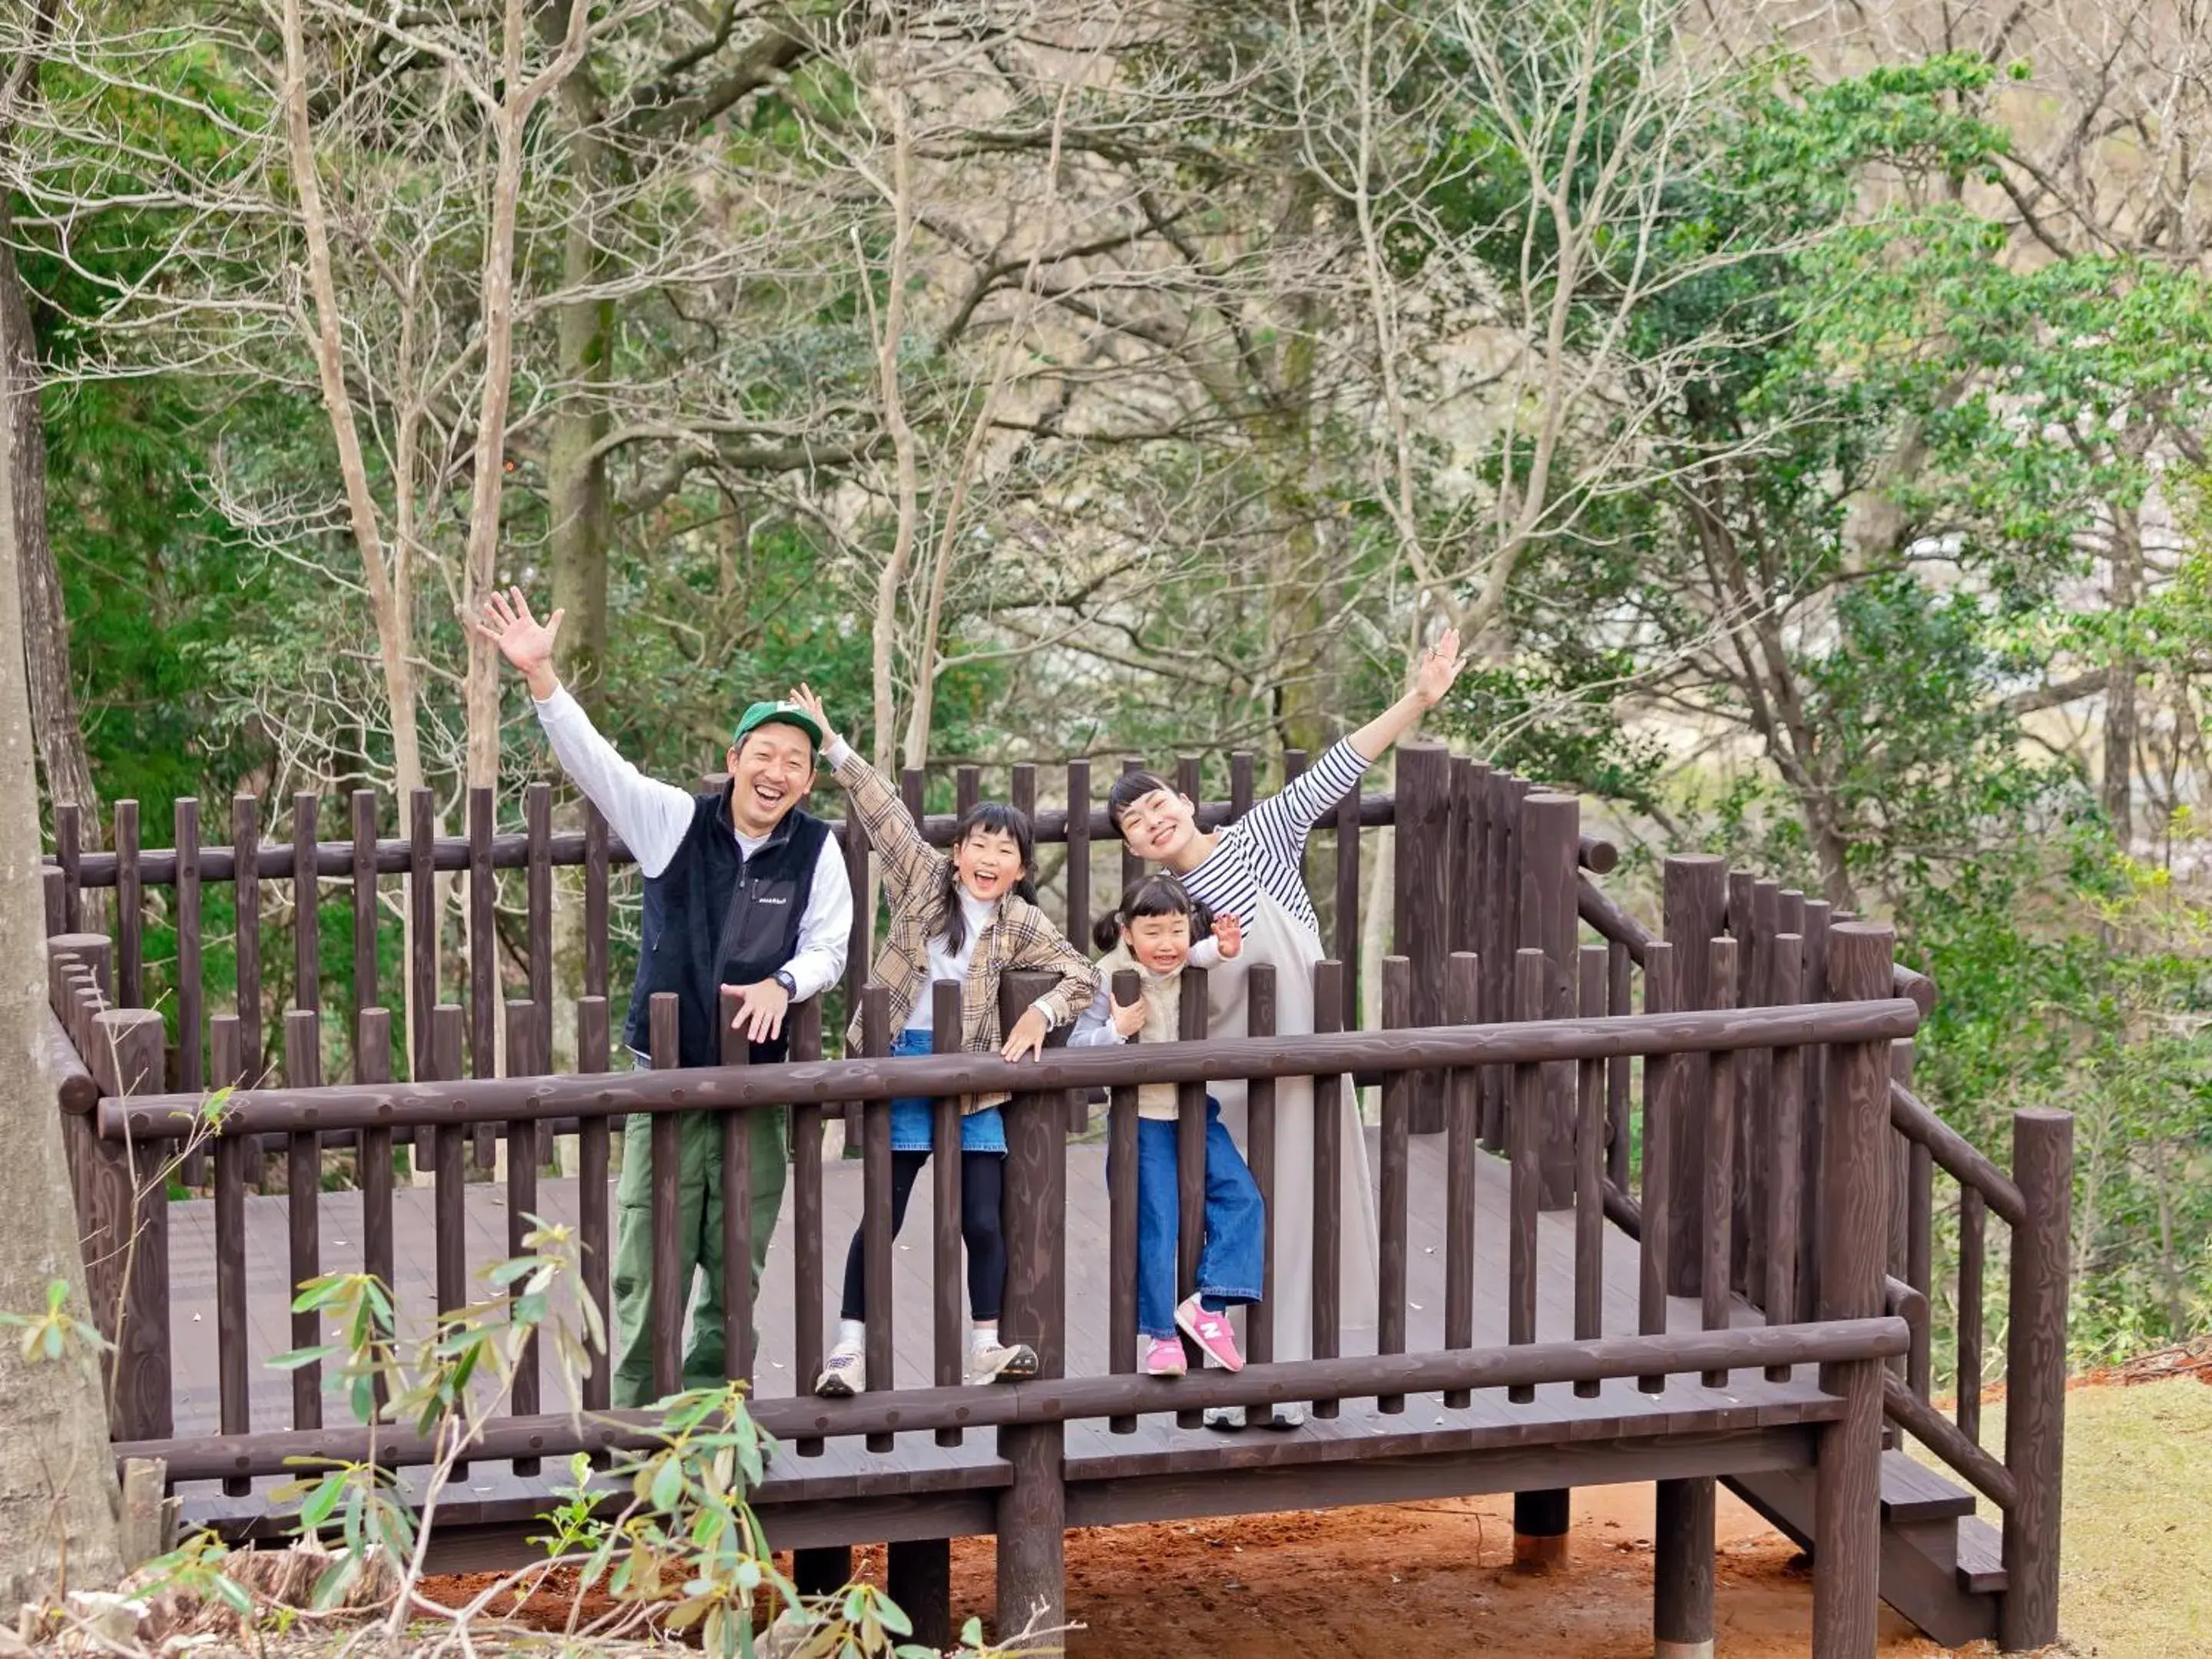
(980, 1174)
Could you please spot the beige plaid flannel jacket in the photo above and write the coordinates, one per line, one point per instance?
(1019, 936)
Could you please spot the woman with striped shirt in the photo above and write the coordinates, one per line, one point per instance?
(1253, 869)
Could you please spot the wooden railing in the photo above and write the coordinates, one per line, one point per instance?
(129, 1122)
(1443, 793)
(1706, 1125)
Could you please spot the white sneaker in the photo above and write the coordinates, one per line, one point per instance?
(1232, 1418)
(1013, 1362)
(845, 1374)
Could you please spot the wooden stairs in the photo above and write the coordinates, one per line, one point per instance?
(1941, 1565)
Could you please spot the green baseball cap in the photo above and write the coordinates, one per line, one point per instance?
(777, 714)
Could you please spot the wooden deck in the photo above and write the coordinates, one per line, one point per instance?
(920, 1489)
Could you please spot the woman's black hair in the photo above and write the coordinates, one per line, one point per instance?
(1128, 790)
(1007, 821)
(1159, 894)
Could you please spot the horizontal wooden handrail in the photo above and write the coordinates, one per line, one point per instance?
(211, 1457)
(1943, 1436)
(1604, 914)
(74, 1083)
(1960, 1157)
(1420, 1049)
(395, 855)
(1599, 909)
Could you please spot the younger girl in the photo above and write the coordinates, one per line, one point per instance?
(970, 916)
(1152, 931)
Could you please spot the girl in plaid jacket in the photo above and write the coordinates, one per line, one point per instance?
(967, 915)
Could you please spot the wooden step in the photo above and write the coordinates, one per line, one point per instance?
(1980, 1557)
(1936, 1570)
(1910, 1491)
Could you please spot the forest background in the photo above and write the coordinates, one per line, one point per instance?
(1801, 408)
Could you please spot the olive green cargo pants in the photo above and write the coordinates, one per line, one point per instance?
(698, 1223)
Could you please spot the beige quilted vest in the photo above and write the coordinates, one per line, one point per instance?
(1162, 998)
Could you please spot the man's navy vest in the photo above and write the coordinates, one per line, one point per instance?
(715, 918)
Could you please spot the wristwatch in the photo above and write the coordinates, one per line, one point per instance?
(782, 976)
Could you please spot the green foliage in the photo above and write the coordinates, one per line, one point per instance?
(56, 1332)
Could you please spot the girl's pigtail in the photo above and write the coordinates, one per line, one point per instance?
(1106, 932)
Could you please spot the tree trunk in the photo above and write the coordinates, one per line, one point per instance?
(576, 471)
(54, 720)
(58, 1498)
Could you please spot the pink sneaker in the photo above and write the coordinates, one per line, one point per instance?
(1213, 1334)
(1163, 1358)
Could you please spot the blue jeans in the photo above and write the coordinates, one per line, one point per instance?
(913, 1116)
(1230, 1266)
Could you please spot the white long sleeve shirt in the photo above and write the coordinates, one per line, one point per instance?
(652, 817)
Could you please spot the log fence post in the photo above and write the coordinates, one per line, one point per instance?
(2035, 1376)
(1030, 1512)
(127, 1242)
(1550, 838)
(1854, 1239)
(1694, 891)
(1421, 895)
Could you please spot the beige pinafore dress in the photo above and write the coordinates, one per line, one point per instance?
(1274, 935)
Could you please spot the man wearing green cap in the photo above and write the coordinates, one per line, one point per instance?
(741, 888)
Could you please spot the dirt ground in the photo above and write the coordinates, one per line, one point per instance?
(1425, 1581)
(1435, 1580)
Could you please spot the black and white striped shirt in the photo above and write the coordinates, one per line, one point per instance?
(1262, 850)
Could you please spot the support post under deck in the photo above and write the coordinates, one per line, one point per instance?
(1682, 1570)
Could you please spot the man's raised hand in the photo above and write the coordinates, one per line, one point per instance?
(506, 621)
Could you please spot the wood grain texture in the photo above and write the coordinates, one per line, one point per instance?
(280, 1109)
(2035, 1376)
(668, 1295)
(1655, 1233)
(190, 991)
(1398, 1094)
(594, 1189)
(1421, 899)
(1328, 980)
(1693, 899)
(1550, 830)
(307, 936)
(1463, 992)
(232, 1363)
(129, 911)
(362, 804)
(303, 1172)
(1716, 1213)
(1031, 1511)
(1260, 1149)
(949, 1333)
(421, 928)
(527, 1391)
(735, 1137)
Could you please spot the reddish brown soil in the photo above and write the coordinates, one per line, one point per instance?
(1427, 1581)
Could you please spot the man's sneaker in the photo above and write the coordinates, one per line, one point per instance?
(1163, 1358)
(1232, 1418)
(845, 1374)
(1212, 1332)
(1013, 1362)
